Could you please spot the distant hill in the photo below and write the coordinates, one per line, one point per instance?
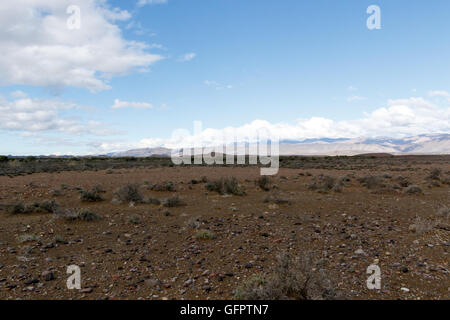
(146, 152)
(421, 144)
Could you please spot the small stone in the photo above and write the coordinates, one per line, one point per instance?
(32, 281)
(188, 282)
(48, 275)
(206, 273)
(404, 289)
(86, 290)
(50, 245)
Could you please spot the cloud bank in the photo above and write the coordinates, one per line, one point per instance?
(400, 118)
(30, 116)
(39, 49)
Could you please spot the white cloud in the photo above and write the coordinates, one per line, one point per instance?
(216, 85)
(19, 94)
(187, 57)
(37, 47)
(399, 118)
(355, 98)
(439, 93)
(127, 104)
(29, 116)
(142, 3)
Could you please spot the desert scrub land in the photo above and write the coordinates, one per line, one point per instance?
(143, 228)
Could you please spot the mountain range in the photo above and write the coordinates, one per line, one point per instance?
(420, 144)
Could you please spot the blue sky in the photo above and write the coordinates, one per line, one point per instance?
(305, 68)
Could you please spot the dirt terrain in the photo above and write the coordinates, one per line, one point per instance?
(207, 244)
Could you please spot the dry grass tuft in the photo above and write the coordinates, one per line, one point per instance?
(298, 279)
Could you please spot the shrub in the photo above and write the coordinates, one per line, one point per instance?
(205, 235)
(129, 193)
(435, 174)
(92, 195)
(276, 198)
(49, 206)
(193, 223)
(56, 193)
(377, 184)
(422, 225)
(263, 182)
(135, 219)
(372, 182)
(165, 186)
(17, 208)
(443, 212)
(225, 186)
(28, 238)
(59, 239)
(173, 201)
(403, 182)
(413, 189)
(79, 214)
(441, 219)
(325, 184)
(153, 200)
(300, 279)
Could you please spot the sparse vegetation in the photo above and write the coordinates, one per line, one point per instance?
(435, 174)
(325, 184)
(79, 214)
(378, 184)
(263, 183)
(152, 200)
(129, 193)
(205, 235)
(49, 206)
(193, 223)
(225, 186)
(276, 198)
(220, 243)
(413, 189)
(135, 219)
(372, 182)
(167, 186)
(28, 238)
(46, 206)
(440, 219)
(59, 239)
(403, 182)
(299, 279)
(17, 208)
(173, 201)
(93, 195)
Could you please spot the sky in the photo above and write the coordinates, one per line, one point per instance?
(97, 76)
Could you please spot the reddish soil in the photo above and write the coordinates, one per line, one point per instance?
(160, 257)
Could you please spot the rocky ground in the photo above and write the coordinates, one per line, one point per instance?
(212, 243)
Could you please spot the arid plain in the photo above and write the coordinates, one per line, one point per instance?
(157, 231)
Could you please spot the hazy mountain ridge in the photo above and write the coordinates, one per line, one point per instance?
(421, 144)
